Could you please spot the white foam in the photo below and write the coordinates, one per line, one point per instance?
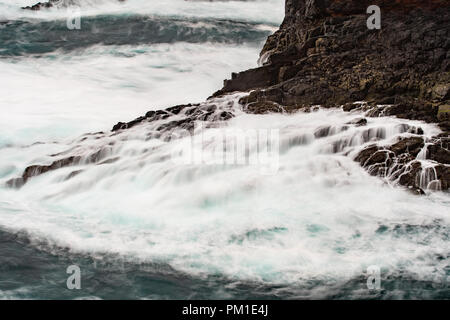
(66, 95)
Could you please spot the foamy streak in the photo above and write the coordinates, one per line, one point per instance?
(65, 95)
(318, 218)
(264, 11)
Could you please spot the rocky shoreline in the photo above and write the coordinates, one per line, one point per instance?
(324, 54)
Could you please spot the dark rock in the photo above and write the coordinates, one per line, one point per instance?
(410, 174)
(261, 107)
(41, 5)
(36, 170)
(399, 159)
(441, 91)
(416, 191)
(164, 121)
(52, 3)
(411, 146)
(325, 54)
(443, 176)
(350, 106)
(439, 151)
(163, 114)
(358, 122)
(364, 156)
(73, 174)
(322, 132)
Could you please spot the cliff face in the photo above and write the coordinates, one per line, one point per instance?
(324, 54)
(51, 4)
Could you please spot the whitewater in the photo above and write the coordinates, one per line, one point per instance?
(140, 221)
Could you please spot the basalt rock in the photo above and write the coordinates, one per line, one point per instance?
(36, 170)
(164, 123)
(400, 163)
(359, 122)
(41, 5)
(190, 114)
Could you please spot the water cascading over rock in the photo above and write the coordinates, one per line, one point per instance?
(324, 54)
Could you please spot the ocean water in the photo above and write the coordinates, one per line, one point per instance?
(146, 224)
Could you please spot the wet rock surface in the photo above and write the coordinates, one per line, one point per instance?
(191, 114)
(325, 54)
(402, 164)
(40, 5)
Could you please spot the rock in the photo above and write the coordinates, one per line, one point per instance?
(399, 159)
(410, 146)
(262, 107)
(443, 175)
(324, 54)
(409, 175)
(36, 170)
(350, 106)
(41, 5)
(443, 113)
(165, 122)
(189, 113)
(441, 91)
(358, 122)
(416, 191)
(52, 3)
(439, 151)
(322, 132)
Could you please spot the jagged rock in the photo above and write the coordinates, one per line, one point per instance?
(399, 160)
(443, 175)
(322, 132)
(192, 113)
(439, 151)
(324, 54)
(443, 114)
(262, 107)
(184, 117)
(410, 146)
(441, 91)
(409, 175)
(36, 170)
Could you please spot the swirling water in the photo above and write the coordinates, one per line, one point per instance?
(141, 225)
